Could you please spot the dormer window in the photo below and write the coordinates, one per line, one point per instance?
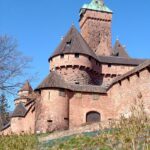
(77, 55)
(68, 43)
(62, 56)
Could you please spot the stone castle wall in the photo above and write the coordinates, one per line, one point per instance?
(83, 103)
(96, 30)
(81, 70)
(123, 94)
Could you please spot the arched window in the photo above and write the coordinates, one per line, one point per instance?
(93, 116)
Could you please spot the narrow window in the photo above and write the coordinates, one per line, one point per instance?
(96, 96)
(66, 119)
(77, 55)
(49, 121)
(89, 58)
(49, 95)
(77, 82)
(78, 95)
(138, 74)
(62, 56)
(109, 65)
(62, 93)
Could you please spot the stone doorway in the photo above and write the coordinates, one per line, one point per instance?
(93, 116)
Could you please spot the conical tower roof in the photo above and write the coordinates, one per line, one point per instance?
(26, 87)
(119, 50)
(20, 111)
(53, 80)
(73, 43)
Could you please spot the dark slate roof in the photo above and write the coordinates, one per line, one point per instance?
(119, 50)
(130, 73)
(73, 43)
(20, 111)
(120, 60)
(53, 80)
(87, 88)
(6, 126)
(26, 87)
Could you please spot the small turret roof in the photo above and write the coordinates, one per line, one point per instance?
(26, 87)
(20, 111)
(53, 80)
(119, 50)
(97, 5)
(73, 43)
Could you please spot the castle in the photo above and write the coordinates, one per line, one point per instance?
(89, 81)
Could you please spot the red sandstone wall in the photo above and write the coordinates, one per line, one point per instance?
(52, 112)
(96, 30)
(124, 94)
(6, 131)
(23, 125)
(109, 72)
(80, 70)
(81, 104)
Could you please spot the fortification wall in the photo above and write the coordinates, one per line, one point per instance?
(83, 103)
(110, 71)
(124, 93)
(21, 125)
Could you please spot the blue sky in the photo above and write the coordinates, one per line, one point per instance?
(38, 26)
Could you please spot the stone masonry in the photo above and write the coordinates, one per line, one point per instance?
(89, 80)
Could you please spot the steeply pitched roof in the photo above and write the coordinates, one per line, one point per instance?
(133, 71)
(53, 80)
(120, 60)
(119, 50)
(26, 87)
(20, 111)
(73, 43)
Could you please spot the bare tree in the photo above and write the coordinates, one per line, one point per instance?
(12, 65)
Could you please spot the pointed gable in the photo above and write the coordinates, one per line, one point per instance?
(26, 87)
(20, 111)
(73, 43)
(119, 50)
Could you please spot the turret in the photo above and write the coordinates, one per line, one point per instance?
(95, 24)
(75, 61)
(24, 93)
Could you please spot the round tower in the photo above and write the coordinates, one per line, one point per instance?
(52, 108)
(75, 61)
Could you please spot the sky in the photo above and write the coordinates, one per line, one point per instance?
(38, 26)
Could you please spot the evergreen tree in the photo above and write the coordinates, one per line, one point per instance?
(4, 115)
